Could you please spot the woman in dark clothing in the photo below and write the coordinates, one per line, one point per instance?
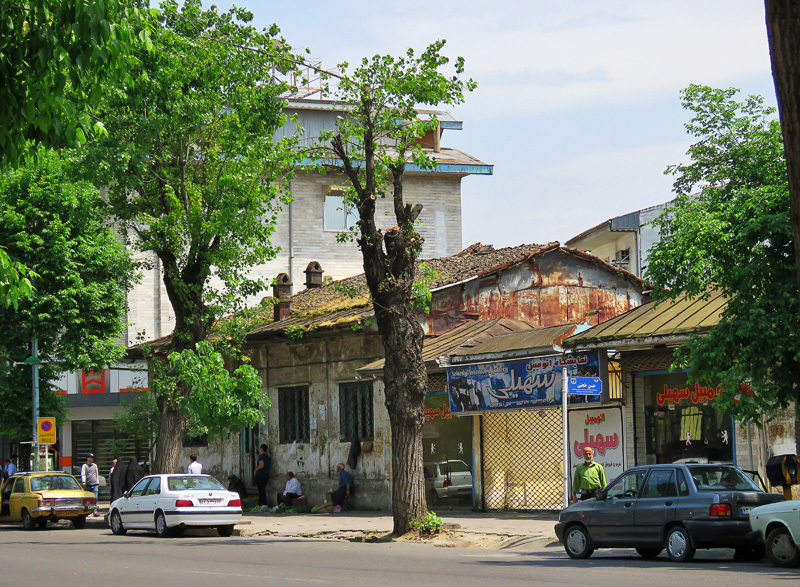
(117, 480)
(133, 474)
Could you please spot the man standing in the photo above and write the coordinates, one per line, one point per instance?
(291, 492)
(589, 477)
(194, 467)
(346, 487)
(10, 467)
(90, 476)
(261, 474)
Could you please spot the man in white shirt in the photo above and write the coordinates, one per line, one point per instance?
(291, 492)
(10, 467)
(194, 467)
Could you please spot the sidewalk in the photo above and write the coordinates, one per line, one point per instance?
(501, 527)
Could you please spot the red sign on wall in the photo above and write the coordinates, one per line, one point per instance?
(93, 381)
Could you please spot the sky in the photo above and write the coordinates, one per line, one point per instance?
(578, 103)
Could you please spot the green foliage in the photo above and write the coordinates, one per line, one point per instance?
(139, 418)
(15, 281)
(427, 525)
(54, 54)
(729, 228)
(295, 332)
(53, 225)
(220, 401)
(421, 290)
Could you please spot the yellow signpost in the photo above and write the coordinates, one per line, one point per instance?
(47, 430)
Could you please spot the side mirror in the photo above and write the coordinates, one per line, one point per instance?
(600, 495)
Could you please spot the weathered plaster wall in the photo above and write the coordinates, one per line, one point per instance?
(323, 363)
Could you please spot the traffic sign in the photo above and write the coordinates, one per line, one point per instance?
(47, 430)
(585, 386)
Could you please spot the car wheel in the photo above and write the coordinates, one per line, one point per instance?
(679, 545)
(79, 522)
(27, 520)
(225, 531)
(577, 543)
(116, 524)
(162, 531)
(648, 552)
(781, 549)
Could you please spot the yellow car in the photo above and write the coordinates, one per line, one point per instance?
(34, 498)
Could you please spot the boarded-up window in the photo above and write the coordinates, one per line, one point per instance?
(355, 411)
(293, 414)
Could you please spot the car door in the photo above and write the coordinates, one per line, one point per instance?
(148, 502)
(16, 499)
(5, 497)
(657, 505)
(612, 518)
(130, 510)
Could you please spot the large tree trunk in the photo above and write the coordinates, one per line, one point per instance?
(171, 428)
(783, 31)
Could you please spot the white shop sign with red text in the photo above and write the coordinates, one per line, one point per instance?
(600, 429)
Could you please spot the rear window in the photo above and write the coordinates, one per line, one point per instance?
(715, 479)
(458, 466)
(193, 482)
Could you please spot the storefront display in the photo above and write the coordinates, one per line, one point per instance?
(682, 422)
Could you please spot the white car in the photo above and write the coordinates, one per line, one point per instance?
(778, 525)
(170, 503)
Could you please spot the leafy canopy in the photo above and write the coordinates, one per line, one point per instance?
(729, 228)
(77, 310)
(53, 56)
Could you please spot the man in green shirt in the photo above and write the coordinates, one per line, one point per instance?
(589, 477)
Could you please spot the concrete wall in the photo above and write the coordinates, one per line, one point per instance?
(322, 363)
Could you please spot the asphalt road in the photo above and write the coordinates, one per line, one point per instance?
(64, 556)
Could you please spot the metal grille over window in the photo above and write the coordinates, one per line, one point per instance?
(615, 382)
(522, 460)
(293, 414)
(355, 410)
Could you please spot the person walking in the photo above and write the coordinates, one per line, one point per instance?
(261, 474)
(194, 467)
(90, 476)
(589, 477)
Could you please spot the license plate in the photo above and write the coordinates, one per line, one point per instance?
(210, 501)
(745, 510)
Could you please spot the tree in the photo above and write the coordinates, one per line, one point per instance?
(53, 54)
(783, 32)
(193, 171)
(729, 227)
(77, 311)
(374, 141)
(15, 281)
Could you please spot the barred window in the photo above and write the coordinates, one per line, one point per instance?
(355, 410)
(293, 414)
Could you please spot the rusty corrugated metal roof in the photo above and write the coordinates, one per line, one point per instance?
(671, 319)
(525, 342)
(465, 336)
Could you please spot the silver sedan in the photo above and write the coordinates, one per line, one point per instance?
(169, 503)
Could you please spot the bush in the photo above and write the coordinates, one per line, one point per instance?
(430, 524)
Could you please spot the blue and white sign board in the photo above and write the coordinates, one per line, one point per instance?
(585, 385)
(523, 383)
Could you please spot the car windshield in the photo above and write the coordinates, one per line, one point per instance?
(721, 478)
(49, 482)
(192, 482)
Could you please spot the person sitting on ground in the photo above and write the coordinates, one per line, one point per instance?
(237, 485)
(347, 486)
(291, 492)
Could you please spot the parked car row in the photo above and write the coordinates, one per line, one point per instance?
(680, 508)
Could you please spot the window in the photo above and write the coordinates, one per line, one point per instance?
(189, 441)
(355, 411)
(626, 486)
(660, 483)
(154, 488)
(138, 489)
(338, 215)
(293, 414)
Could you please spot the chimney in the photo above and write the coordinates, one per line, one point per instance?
(281, 291)
(313, 275)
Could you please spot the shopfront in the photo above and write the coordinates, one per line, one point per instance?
(682, 421)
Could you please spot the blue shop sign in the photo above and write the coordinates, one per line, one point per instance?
(527, 383)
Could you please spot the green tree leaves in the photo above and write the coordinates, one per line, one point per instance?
(729, 228)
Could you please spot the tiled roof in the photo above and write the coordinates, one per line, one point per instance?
(650, 322)
(521, 343)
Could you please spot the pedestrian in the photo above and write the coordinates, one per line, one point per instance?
(237, 485)
(291, 492)
(194, 467)
(90, 476)
(9, 467)
(261, 474)
(116, 479)
(589, 477)
(132, 474)
(347, 486)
